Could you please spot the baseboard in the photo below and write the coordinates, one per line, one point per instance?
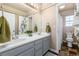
(57, 52)
(45, 53)
(53, 52)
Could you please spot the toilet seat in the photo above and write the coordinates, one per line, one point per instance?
(69, 39)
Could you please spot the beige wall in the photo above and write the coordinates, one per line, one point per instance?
(48, 16)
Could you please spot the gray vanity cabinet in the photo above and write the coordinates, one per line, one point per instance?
(42, 46)
(18, 50)
(34, 48)
(29, 52)
(38, 47)
(46, 44)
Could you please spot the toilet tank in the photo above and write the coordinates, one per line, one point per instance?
(69, 35)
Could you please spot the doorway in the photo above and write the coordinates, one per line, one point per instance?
(66, 11)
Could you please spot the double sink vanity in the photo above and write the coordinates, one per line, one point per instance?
(36, 45)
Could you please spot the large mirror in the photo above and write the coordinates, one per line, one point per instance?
(19, 18)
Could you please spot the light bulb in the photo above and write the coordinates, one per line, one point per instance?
(61, 7)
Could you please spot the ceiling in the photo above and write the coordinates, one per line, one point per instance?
(22, 7)
(46, 5)
(41, 6)
(28, 8)
(31, 8)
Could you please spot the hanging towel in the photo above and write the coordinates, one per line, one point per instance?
(48, 28)
(5, 35)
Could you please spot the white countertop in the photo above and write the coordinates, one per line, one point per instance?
(23, 39)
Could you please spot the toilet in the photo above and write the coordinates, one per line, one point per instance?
(69, 39)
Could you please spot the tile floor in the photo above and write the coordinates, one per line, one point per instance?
(65, 51)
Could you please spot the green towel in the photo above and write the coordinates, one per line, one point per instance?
(48, 28)
(4, 30)
(35, 28)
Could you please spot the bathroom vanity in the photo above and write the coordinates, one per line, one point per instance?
(37, 45)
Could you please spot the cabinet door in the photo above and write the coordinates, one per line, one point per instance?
(18, 50)
(45, 44)
(38, 47)
(29, 52)
(38, 52)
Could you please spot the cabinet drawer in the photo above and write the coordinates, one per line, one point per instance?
(18, 50)
(38, 46)
(29, 52)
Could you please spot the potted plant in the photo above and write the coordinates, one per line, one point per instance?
(29, 32)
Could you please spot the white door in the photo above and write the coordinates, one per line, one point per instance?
(59, 30)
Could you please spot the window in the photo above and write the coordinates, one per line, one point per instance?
(69, 20)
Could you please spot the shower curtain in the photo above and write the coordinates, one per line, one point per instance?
(5, 34)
